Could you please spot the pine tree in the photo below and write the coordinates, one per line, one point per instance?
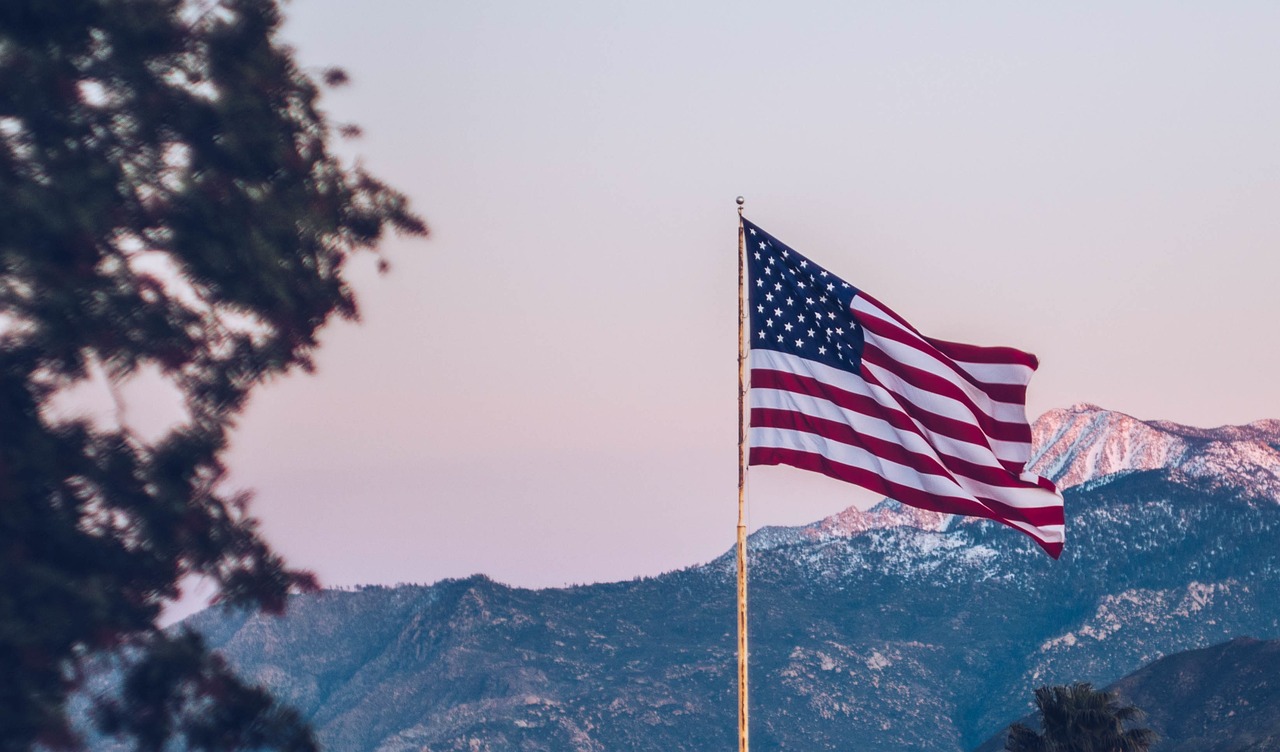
(169, 201)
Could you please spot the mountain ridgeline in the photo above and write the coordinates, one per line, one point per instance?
(891, 629)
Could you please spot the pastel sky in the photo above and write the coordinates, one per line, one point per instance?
(544, 391)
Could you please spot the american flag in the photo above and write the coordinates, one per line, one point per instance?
(843, 386)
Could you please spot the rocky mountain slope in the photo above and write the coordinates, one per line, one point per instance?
(889, 629)
(1224, 698)
(1085, 442)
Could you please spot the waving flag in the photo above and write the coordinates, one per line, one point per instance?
(843, 386)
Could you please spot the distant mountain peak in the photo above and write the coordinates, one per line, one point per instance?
(1085, 442)
(885, 515)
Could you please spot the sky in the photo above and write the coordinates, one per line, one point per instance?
(544, 390)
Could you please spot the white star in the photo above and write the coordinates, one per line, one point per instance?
(844, 285)
(831, 315)
(810, 332)
(777, 312)
(761, 334)
(800, 285)
(830, 287)
(823, 274)
(803, 264)
(800, 318)
(808, 301)
(799, 342)
(823, 299)
(784, 253)
(763, 244)
(779, 337)
(757, 255)
(768, 322)
(778, 286)
(821, 350)
(768, 296)
(759, 283)
(787, 327)
(759, 309)
(790, 301)
(772, 261)
(767, 270)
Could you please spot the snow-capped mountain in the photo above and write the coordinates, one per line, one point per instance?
(888, 629)
(853, 521)
(1085, 442)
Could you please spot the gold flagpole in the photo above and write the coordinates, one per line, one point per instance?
(742, 489)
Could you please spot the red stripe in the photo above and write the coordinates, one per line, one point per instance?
(905, 494)
(903, 418)
(1041, 515)
(940, 464)
(992, 355)
(935, 384)
(1015, 393)
(962, 352)
(888, 311)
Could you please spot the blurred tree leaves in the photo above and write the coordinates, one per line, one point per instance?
(168, 199)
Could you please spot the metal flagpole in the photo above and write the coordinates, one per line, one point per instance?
(742, 489)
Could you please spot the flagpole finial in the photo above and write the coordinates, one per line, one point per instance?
(740, 201)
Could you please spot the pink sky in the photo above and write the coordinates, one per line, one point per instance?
(544, 391)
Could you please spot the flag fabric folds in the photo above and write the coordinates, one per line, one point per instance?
(843, 386)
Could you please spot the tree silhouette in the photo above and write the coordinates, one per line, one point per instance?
(169, 205)
(1079, 718)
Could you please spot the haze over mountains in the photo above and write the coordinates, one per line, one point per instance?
(888, 629)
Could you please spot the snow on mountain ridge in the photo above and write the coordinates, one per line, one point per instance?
(1267, 430)
(1084, 442)
(882, 516)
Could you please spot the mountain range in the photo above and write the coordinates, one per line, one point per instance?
(887, 629)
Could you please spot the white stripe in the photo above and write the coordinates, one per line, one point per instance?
(866, 425)
(1032, 497)
(904, 393)
(998, 373)
(1009, 451)
(935, 446)
(909, 441)
(811, 444)
(987, 373)
(1046, 534)
(1008, 412)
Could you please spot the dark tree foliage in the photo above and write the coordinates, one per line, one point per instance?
(1079, 718)
(168, 202)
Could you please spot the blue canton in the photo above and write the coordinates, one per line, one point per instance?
(795, 306)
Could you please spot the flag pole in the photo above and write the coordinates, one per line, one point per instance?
(742, 488)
